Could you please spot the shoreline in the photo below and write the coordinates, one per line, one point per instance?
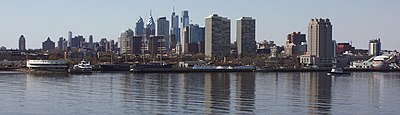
(189, 70)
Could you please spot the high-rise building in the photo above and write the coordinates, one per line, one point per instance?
(319, 41)
(192, 39)
(102, 44)
(149, 31)
(125, 42)
(246, 36)
(185, 18)
(295, 43)
(69, 38)
(129, 44)
(374, 47)
(91, 42)
(217, 37)
(163, 30)
(77, 42)
(139, 28)
(22, 43)
(155, 45)
(62, 44)
(137, 45)
(175, 30)
(48, 45)
(150, 27)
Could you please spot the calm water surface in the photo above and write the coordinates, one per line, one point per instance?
(200, 93)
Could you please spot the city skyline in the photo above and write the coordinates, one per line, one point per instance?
(354, 21)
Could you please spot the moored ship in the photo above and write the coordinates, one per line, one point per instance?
(82, 67)
(47, 66)
(114, 67)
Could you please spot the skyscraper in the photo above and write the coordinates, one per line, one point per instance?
(319, 41)
(48, 45)
(175, 30)
(69, 38)
(163, 30)
(91, 42)
(139, 29)
(192, 38)
(217, 36)
(150, 27)
(77, 42)
(125, 42)
(185, 18)
(22, 43)
(246, 36)
(374, 47)
(62, 44)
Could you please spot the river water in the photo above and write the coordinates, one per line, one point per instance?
(200, 93)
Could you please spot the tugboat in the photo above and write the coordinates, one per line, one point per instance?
(82, 67)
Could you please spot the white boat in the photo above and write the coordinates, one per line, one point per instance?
(82, 67)
(47, 66)
(336, 70)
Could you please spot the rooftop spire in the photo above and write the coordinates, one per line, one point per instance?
(150, 12)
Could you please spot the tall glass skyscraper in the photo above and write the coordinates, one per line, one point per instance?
(163, 30)
(139, 28)
(69, 38)
(22, 43)
(185, 18)
(150, 26)
(175, 30)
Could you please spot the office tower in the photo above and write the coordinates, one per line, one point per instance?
(374, 47)
(163, 30)
(139, 29)
(184, 40)
(192, 39)
(137, 45)
(102, 44)
(217, 37)
(91, 41)
(62, 44)
(48, 45)
(295, 43)
(319, 41)
(246, 36)
(175, 30)
(69, 38)
(111, 46)
(196, 33)
(77, 42)
(197, 39)
(185, 18)
(22, 43)
(149, 31)
(150, 27)
(125, 42)
(155, 45)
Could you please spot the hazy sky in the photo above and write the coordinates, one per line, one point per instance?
(353, 20)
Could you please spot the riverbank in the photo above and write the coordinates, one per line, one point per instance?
(189, 70)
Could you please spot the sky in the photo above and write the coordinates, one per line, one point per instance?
(353, 21)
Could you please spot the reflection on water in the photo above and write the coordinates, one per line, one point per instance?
(319, 93)
(200, 93)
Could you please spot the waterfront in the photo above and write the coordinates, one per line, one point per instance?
(200, 93)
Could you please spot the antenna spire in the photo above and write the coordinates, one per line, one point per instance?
(150, 12)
